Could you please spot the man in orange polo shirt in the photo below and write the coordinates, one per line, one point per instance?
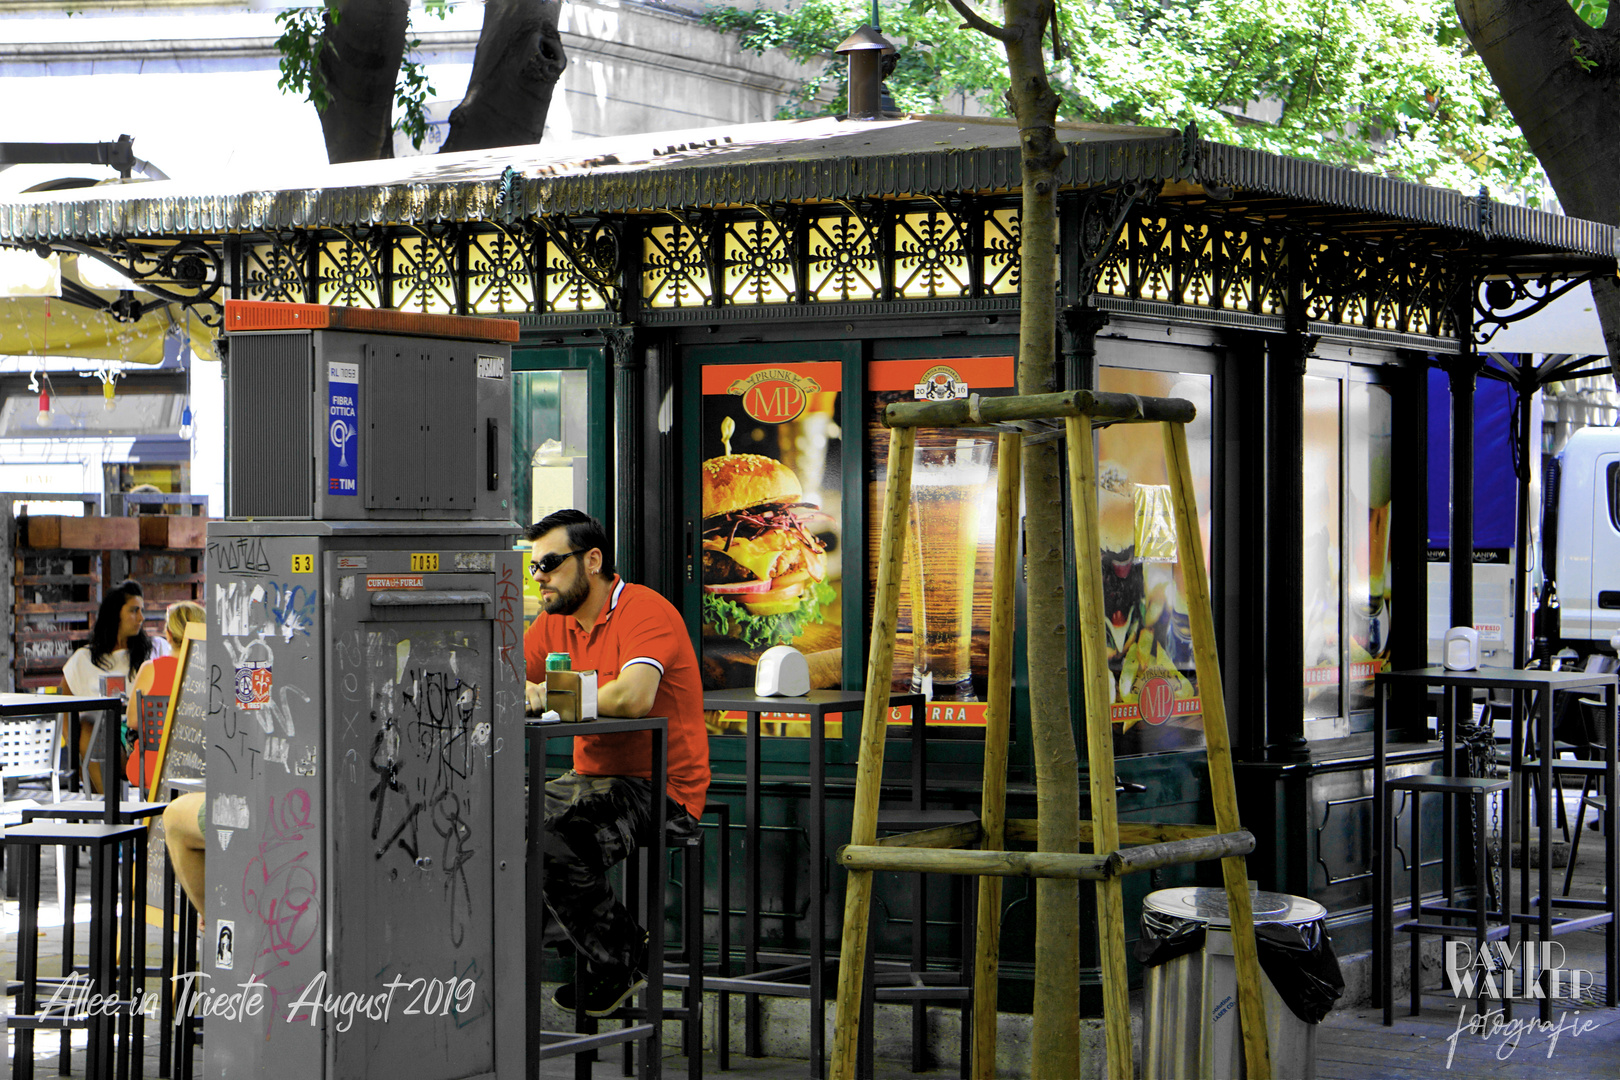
(598, 811)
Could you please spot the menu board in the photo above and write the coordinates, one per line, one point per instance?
(184, 751)
(182, 754)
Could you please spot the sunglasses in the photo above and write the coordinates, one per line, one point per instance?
(548, 564)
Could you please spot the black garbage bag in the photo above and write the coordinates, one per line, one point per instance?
(1300, 962)
(1165, 937)
(1298, 959)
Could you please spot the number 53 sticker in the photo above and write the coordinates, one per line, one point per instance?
(303, 564)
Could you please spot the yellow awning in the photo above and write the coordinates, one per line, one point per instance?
(51, 326)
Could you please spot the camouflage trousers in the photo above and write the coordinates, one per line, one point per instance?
(591, 824)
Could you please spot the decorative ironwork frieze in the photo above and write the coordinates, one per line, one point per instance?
(423, 269)
(275, 268)
(1130, 249)
(675, 270)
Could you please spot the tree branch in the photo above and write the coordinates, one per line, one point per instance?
(981, 24)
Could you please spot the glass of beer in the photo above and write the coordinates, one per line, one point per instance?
(947, 486)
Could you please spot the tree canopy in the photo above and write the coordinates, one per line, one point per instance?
(1391, 86)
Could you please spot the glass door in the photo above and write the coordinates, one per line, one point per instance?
(559, 438)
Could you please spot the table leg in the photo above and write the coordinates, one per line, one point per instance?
(1544, 823)
(751, 872)
(28, 957)
(534, 902)
(652, 1055)
(818, 921)
(1383, 893)
(1611, 849)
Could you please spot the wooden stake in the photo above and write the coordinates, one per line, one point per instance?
(997, 726)
(1223, 786)
(869, 773)
(1099, 742)
(1045, 865)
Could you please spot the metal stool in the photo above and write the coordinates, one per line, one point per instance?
(110, 846)
(691, 955)
(916, 984)
(90, 810)
(1479, 789)
(690, 977)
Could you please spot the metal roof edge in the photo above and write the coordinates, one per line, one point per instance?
(1334, 185)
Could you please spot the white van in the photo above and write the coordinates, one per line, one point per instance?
(1581, 537)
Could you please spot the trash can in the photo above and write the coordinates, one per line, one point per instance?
(1192, 1023)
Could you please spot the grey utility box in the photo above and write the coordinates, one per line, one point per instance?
(365, 800)
(344, 425)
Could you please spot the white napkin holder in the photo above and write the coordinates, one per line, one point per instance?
(1461, 649)
(782, 672)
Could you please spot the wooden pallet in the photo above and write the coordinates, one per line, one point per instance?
(949, 850)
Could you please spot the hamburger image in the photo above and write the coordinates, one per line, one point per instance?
(763, 570)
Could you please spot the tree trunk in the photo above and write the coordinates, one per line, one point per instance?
(359, 56)
(519, 60)
(1533, 49)
(1055, 1049)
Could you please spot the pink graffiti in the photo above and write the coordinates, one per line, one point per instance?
(279, 886)
(510, 601)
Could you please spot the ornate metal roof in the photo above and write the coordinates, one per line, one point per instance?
(808, 161)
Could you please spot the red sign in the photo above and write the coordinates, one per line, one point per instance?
(1157, 700)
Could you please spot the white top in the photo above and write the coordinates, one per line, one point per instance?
(85, 679)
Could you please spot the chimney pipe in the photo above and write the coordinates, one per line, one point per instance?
(866, 49)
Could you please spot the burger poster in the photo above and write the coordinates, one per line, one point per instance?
(942, 643)
(1151, 676)
(772, 522)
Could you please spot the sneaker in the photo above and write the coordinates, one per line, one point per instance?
(606, 990)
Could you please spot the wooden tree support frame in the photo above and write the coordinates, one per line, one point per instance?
(946, 850)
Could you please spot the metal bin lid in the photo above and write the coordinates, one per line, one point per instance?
(1209, 905)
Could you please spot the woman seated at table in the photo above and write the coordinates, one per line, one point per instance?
(118, 646)
(155, 678)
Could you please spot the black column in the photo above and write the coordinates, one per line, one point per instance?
(625, 356)
(1463, 371)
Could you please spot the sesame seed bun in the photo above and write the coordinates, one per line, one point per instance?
(735, 482)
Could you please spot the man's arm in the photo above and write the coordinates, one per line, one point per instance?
(632, 693)
(534, 697)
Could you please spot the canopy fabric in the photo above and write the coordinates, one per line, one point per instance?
(52, 326)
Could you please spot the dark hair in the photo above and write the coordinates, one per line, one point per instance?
(584, 532)
(104, 634)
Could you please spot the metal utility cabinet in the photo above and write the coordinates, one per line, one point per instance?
(365, 785)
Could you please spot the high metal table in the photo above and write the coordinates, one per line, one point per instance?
(1536, 909)
(540, 1044)
(773, 981)
(106, 837)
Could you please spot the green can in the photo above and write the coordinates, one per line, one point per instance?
(559, 661)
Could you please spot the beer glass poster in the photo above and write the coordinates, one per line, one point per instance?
(942, 647)
(1151, 676)
(771, 519)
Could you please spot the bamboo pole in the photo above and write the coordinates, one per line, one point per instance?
(1024, 831)
(1223, 786)
(1223, 846)
(963, 835)
(1044, 865)
(1099, 743)
(869, 773)
(974, 410)
(997, 727)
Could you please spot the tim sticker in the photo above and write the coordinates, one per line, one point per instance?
(225, 945)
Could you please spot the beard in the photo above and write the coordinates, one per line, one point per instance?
(567, 601)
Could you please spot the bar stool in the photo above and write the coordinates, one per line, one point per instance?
(110, 845)
(690, 956)
(915, 983)
(128, 811)
(1479, 790)
(690, 960)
